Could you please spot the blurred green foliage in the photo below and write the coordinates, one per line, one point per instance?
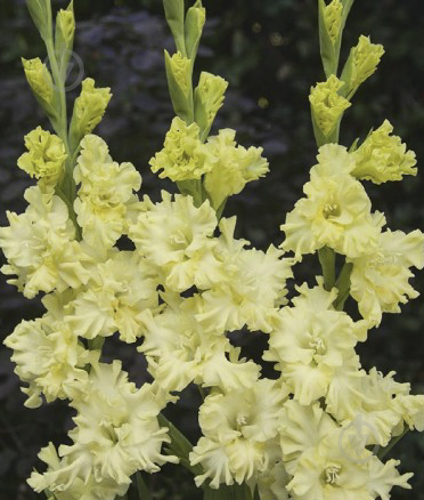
(269, 52)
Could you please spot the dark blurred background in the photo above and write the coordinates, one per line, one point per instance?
(269, 52)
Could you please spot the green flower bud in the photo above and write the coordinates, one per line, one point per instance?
(40, 80)
(195, 21)
(333, 14)
(45, 158)
(65, 32)
(179, 75)
(361, 64)
(174, 13)
(208, 99)
(89, 109)
(40, 11)
(327, 108)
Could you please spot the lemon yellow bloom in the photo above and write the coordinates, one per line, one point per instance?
(383, 157)
(105, 203)
(234, 168)
(45, 158)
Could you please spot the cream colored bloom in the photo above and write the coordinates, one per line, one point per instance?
(179, 351)
(176, 237)
(183, 156)
(336, 211)
(45, 158)
(234, 168)
(237, 428)
(105, 203)
(383, 157)
(117, 433)
(40, 247)
(249, 289)
(330, 471)
(119, 290)
(327, 105)
(311, 341)
(380, 278)
(209, 97)
(49, 358)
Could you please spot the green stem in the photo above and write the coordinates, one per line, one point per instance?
(384, 451)
(343, 285)
(143, 492)
(327, 259)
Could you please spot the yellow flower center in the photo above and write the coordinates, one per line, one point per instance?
(331, 473)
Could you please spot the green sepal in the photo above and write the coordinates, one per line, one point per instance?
(194, 23)
(174, 13)
(182, 99)
(64, 38)
(41, 13)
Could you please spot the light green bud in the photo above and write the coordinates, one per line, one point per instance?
(39, 79)
(45, 158)
(179, 75)
(174, 13)
(40, 11)
(361, 64)
(65, 29)
(333, 14)
(89, 109)
(208, 99)
(195, 21)
(327, 107)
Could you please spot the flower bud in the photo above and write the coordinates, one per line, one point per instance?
(208, 98)
(65, 29)
(45, 158)
(40, 11)
(383, 157)
(327, 108)
(174, 13)
(333, 14)
(89, 110)
(39, 79)
(179, 74)
(195, 21)
(361, 64)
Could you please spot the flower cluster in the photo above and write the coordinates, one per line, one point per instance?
(309, 433)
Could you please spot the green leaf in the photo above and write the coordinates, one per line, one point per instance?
(180, 446)
(143, 492)
(234, 492)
